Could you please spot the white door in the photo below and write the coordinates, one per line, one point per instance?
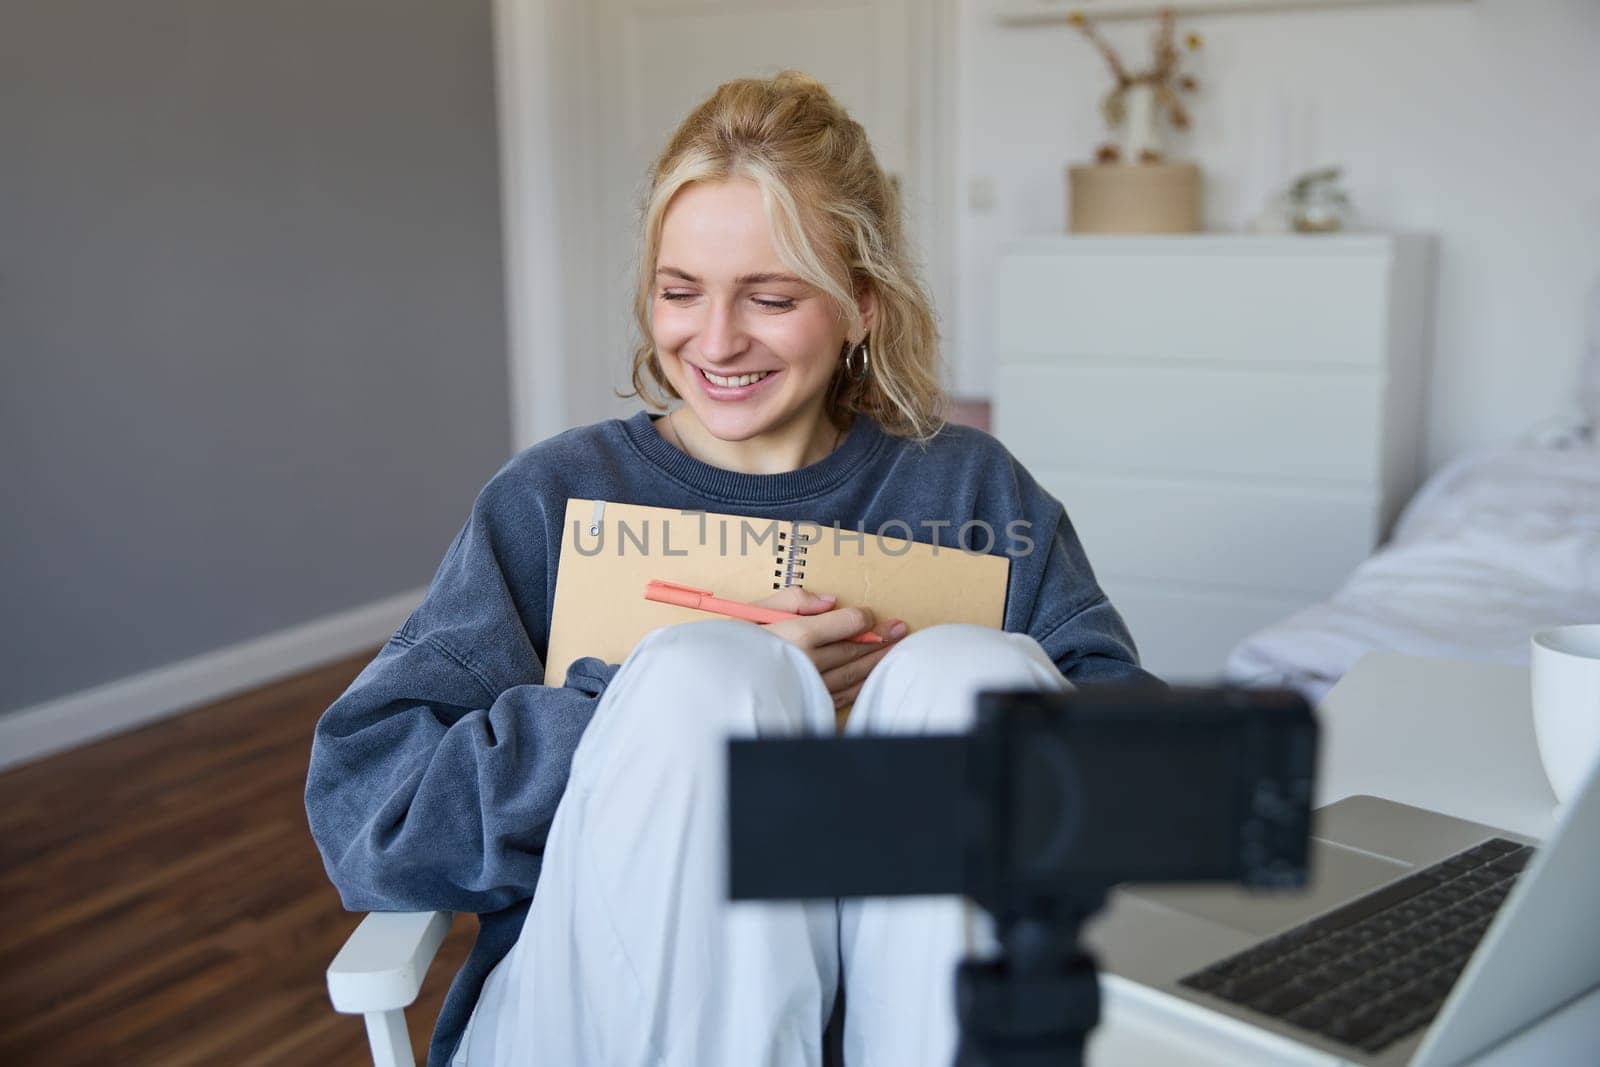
(652, 61)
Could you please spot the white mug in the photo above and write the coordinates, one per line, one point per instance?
(1566, 704)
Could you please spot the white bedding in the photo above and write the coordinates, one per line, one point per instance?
(1493, 547)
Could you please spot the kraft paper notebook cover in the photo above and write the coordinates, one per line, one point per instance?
(610, 550)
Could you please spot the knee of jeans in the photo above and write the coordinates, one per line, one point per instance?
(957, 657)
(730, 676)
(961, 646)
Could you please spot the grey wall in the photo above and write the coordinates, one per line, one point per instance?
(252, 350)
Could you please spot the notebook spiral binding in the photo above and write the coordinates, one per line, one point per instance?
(792, 545)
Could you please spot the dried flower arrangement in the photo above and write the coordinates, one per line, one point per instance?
(1135, 100)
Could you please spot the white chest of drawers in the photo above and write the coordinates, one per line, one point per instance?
(1231, 421)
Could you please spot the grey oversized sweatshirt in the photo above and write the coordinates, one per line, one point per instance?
(434, 778)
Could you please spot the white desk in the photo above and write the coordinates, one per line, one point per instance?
(1452, 737)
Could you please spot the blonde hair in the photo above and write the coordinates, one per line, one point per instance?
(836, 222)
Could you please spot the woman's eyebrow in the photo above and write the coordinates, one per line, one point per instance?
(743, 279)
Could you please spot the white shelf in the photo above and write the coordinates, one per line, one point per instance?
(1241, 243)
(1034, 11)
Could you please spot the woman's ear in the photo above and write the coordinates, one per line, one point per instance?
(867, 305)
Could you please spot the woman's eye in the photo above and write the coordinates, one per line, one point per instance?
(678, 296)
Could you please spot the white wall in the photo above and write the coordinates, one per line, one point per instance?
(1478, 122)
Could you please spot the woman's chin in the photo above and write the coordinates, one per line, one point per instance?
(743, 420)
(733, 430)
(736, 422)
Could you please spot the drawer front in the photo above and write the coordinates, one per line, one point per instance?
(1252, 422)
(1225, 536)
(1249, 309)
(1186, 635)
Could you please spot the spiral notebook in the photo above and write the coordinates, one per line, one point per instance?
(609, 551)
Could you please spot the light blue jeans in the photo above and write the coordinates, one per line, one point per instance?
(631, 954)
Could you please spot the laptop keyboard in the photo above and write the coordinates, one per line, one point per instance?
(1380, 967)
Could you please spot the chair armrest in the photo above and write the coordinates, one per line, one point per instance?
(381, 966)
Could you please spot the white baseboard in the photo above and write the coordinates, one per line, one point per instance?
(91, 714)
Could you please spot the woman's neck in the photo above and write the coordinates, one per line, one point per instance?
(804, 442)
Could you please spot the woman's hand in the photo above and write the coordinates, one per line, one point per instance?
(823, 635)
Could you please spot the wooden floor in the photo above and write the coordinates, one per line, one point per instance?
(161, 901)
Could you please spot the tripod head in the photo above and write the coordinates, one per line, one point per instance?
(1054, 798)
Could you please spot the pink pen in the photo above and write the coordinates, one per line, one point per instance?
(705, 600)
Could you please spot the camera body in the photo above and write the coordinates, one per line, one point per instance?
(1050, 800)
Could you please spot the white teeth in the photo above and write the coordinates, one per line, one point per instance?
(741, 380)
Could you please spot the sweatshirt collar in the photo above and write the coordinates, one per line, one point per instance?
(862, 441)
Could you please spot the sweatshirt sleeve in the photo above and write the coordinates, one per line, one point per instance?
(1074, 621)
(434, 778)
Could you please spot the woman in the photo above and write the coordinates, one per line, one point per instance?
(776, 299)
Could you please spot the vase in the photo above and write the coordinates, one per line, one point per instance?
(1140, 131)
(1134, 198)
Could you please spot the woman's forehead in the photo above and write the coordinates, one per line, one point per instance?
(718, 231)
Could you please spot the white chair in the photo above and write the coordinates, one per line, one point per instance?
(379, 971)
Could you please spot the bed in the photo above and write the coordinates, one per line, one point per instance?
(1497, 544)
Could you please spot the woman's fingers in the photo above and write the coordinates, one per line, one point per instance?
(804, 602)
(852, 672)
(800, 601)
(838, 653)
(825, 638)
(890, 629)
(814, 631)
(850, 675)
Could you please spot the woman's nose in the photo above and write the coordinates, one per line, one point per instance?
(721, 338)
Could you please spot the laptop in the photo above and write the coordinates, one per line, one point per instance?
(1422, 939)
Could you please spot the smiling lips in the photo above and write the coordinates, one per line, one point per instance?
(735, 382)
